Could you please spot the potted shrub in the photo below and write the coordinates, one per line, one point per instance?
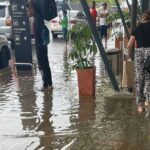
(118, 39)
(83, 48)
(118, 30)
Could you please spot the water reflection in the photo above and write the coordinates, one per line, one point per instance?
(35, 115)
(65, 64)
(32, 119)
(45, 126)
(86, 109)
(85, 124)
(27, 98)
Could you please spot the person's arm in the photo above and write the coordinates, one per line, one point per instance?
(130, 45)
(131, 42)
(60, 19)
(105, 14)
(100, 14)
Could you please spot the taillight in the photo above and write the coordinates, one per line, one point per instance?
(73, 21)
(53, 21)
(8, 22)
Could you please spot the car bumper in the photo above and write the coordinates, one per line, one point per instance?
(6, 31)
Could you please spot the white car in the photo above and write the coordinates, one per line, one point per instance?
(74, 16)
(5, 20)
(4, 52)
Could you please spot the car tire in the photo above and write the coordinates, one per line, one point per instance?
(4, 57)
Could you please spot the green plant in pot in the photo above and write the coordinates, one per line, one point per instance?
(83, 48)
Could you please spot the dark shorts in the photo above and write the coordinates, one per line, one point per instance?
(103, 31)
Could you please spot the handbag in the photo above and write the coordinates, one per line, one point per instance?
(147, 64)
(128, 74)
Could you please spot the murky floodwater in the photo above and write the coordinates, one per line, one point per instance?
(34, 120)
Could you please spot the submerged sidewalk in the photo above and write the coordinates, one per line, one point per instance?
(59, 120)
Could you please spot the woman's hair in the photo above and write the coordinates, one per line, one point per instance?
(146, 16)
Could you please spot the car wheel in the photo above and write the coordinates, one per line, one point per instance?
(4, 57)
(54, 36)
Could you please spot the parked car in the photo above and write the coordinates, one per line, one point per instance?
(74, 16)
(5, 20)
(4, 52)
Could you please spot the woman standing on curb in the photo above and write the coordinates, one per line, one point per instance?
(141, 35)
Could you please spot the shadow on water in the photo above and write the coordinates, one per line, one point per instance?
(35, 112)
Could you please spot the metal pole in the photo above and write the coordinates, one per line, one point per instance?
(122, 18)
(133, 14)
(69, 25)
(100, 45)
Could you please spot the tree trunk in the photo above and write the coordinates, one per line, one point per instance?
(133, 14)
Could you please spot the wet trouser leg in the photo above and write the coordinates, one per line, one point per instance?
(147, 77)
(142, 78)
(65, 34)
(139, 74)
(42, 57)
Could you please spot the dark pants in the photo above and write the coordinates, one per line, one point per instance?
(65, 31)
(42, 54)
(103, 31)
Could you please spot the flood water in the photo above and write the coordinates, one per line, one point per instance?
(31, 119)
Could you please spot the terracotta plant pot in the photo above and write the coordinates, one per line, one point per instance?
(86, 81)
(118, 42)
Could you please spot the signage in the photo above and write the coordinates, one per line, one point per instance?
(21, 34)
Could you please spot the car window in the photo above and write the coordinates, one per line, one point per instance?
(62, 5)
(80, 15)
(72, 14)
(2, 11)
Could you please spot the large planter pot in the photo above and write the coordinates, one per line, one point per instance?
(86, 81)
(118, 42)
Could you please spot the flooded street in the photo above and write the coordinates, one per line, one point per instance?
(31, 119)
